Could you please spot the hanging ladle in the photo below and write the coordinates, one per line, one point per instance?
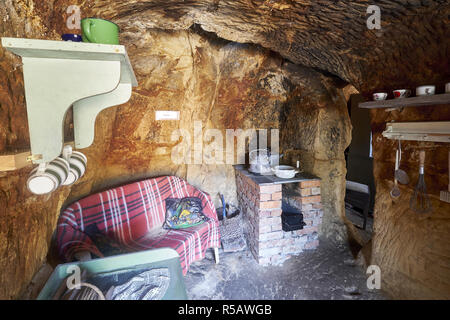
(395, 192)
(400, 175)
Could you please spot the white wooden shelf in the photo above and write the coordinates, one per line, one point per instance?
(434, 131)
(408, 102)
(59, 74)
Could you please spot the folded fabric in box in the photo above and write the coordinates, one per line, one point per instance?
(148, 285)
(183, 213)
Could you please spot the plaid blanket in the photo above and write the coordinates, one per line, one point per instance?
(132, 217)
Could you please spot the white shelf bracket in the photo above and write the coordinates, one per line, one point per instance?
(85, 112)
(58, 74)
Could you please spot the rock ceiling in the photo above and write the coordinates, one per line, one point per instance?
(328, 35)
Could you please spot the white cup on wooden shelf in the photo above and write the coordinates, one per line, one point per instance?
(425, 90)
(379, 96)
(401, 93)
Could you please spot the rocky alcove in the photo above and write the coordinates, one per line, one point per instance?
(288, 65)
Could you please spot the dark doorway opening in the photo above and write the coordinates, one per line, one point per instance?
(360, 184)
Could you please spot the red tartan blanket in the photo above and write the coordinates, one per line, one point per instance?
(132, 216)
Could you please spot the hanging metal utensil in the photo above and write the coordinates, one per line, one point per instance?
(445, 195)
(420, 202)
(395, 192)
(401, 175)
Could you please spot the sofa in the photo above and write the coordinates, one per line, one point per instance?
(130, 218)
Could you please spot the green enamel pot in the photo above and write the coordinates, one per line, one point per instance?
(100, 31)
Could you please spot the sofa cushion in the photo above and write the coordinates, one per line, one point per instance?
(183, 213)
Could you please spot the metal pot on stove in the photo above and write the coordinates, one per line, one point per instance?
(261, 161)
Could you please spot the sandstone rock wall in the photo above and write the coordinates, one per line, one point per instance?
(316, 130)
(27, 222)
(222, 84)
(216, 83)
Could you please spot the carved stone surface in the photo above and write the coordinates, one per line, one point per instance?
(328, 35)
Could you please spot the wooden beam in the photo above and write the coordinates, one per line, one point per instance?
(19, 160)
(10, 162)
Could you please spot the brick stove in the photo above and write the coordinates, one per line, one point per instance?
(261, 199)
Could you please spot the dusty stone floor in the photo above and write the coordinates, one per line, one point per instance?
(327, 273)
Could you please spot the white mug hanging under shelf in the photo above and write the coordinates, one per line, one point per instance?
(77, 162)
(47, 177)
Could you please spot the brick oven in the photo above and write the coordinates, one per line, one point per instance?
(262, 200)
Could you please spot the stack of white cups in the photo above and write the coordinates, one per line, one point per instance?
(65, 170)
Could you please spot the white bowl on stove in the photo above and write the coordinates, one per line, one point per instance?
(284, 172)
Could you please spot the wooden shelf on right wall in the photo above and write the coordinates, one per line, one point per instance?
(408, 102)
(434, 131)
